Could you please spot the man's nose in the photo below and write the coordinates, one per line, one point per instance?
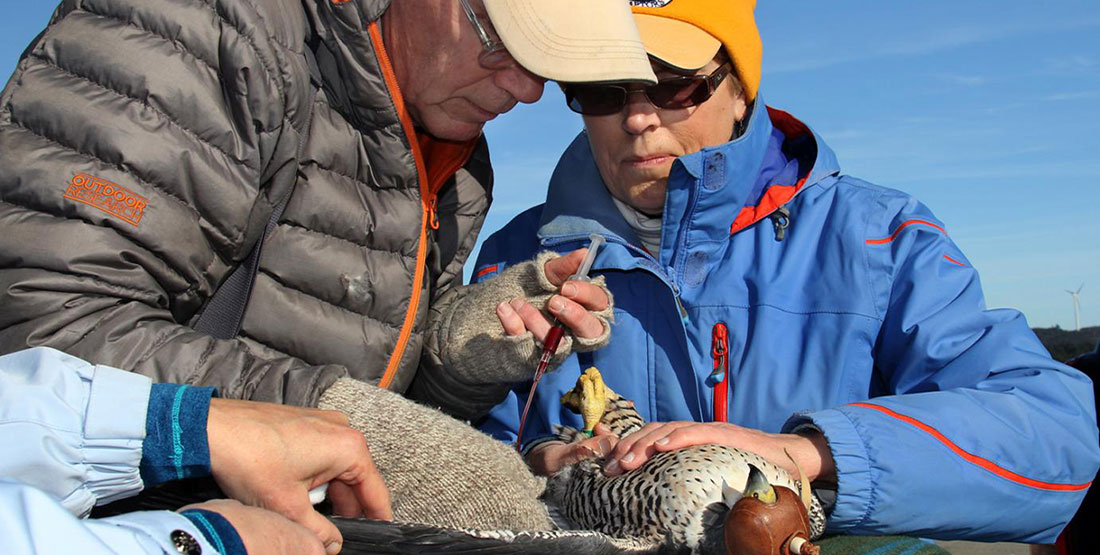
(523, 85)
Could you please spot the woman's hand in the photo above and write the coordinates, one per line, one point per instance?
(574, 307)
(810, 450)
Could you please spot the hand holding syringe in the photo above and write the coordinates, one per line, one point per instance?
(553, 337)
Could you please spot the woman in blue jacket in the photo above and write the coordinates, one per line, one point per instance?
(766, 301)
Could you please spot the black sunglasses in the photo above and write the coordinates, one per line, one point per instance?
(670, 94)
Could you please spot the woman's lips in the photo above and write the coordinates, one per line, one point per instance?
(649, 160)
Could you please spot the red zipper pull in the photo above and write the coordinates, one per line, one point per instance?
(719, 377)
(719, 351)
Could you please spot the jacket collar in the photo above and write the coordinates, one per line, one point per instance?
(712, 193)
(349, 58)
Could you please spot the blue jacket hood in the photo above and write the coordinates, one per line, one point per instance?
(776, 157)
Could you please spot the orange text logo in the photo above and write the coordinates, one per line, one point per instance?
(113, 199)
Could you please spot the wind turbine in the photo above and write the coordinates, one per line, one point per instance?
(1076, 307)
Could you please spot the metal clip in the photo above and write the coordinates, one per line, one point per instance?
(781, 220)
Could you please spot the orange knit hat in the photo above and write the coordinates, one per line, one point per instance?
(687, 33)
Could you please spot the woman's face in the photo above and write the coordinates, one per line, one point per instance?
(634, 148)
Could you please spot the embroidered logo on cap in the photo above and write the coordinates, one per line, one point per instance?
(650, 3)
(109, 197)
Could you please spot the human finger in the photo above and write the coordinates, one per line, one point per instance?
(264, 531)
(575, 317)
(543, 459)
(559, 269)
(510, 319)
(625, 444)
(297, 507)
(552, 457)
(602, 429)
(586, 294)
(370, 490)
(592, 448)
(642, 448)
(324, 529)
(533, 319)
(343, 499)
(354, 469)
(687, 436)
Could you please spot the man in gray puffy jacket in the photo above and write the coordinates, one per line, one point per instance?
(150, 148)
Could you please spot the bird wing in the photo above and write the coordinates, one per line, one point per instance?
(374, 536)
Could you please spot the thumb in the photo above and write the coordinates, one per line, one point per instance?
(559, 269)
(602, 429)
(593, 448)
(324, 529)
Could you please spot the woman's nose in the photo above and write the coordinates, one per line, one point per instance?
(639, 114)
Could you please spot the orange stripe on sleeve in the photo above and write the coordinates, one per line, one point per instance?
(487, 270)
(953, 261)
(901, 227)
(974, 459)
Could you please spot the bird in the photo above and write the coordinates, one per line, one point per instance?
(677, 497)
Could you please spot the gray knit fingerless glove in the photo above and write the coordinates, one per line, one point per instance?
(440, 471)
(473, 343)
(468, 363)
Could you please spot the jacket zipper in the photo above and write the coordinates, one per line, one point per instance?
(427, 199)
(720, 375)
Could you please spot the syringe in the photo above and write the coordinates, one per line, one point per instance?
(553, 337)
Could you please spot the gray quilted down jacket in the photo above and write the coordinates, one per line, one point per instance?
(143, 146)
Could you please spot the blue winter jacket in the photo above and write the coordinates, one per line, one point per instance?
(855, 313)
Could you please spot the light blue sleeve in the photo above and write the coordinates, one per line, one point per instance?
(71, 429)
(31, 521)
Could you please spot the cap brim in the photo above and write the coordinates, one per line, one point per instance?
(572, 40)
(676, 43)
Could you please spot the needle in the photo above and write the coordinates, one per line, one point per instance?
(557, 329)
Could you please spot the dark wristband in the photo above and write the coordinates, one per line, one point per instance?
(217, 530)
(175, 445)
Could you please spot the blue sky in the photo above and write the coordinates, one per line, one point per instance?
(987, 111)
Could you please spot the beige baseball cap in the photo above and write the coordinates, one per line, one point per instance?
(572, 41)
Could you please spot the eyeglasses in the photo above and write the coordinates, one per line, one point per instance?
(675, 93)
(493, 53)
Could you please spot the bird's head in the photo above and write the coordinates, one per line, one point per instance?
(758, 487)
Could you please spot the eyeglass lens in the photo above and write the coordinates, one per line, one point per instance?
(490, 41)
(493, 53)
(669, 94)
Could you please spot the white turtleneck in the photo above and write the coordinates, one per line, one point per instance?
(646, 227)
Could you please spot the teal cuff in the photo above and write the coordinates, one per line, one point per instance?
(217, 530)
(175, 445)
